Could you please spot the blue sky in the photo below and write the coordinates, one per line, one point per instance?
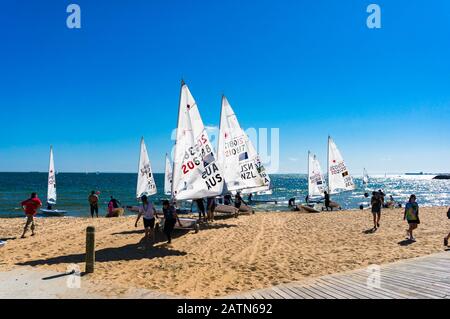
(309, 68)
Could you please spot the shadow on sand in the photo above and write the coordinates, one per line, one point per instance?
(138, 251)
(406, 242)
(8, 238)
(370, 231)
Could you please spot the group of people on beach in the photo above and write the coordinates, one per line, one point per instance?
(149, 214)
(206, 214)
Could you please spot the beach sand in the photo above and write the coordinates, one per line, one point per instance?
(228, 257)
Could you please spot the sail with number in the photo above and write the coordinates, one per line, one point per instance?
(51, 189)
(168, 177)
(196, 173)
(146, 182)
(241, 165)
(339, 178)
(316, 184)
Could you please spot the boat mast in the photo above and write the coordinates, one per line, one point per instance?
(176, 140)
(328, 165)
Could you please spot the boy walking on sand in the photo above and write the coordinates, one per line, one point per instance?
(31, 207)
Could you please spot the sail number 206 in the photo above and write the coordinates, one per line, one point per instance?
(197, 152)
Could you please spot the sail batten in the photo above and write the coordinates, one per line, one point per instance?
(339, 178)
(196, 173)
(146, 183)
(242, 167)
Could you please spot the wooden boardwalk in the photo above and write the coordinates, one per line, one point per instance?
(421, 278)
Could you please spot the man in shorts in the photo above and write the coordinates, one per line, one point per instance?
(31, 207)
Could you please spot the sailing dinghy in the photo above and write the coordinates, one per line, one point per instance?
(339, 178)
(51, 191)
(145, 182)
(195, 173)
(316, 185)
(242, 168)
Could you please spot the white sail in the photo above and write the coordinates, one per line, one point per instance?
(196, 173)
(51, 189)
(365, 177)
(242, 168)
(316, 185)
(339, 178)
(146, 182)
(168, 177)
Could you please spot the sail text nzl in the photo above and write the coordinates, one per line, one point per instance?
(247, 171)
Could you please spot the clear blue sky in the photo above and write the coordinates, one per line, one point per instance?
(310, 68)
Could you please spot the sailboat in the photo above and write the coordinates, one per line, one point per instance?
(365, 178)
(146, 183)
(168, 177)
(316, 185)
(339, 178)
(51, 190)
(242, 168)
(196, 173)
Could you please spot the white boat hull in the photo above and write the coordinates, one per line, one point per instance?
(186, 223)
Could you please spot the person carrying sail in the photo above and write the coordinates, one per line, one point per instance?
(238, 201)
(148, 213)
(31, 207)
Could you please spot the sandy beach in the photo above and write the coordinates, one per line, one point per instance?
(228, 257)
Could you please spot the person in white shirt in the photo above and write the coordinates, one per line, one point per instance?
(148, 213)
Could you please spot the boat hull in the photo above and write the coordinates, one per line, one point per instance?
(53, 212)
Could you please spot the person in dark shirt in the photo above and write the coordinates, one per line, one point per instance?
(327, 201)
(227, 200)
(170, 219)
(376, 203)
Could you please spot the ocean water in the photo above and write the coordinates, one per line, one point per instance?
(74, 188)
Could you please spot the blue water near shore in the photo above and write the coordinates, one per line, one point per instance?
(74, 188)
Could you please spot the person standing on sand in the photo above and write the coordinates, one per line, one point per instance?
(376, 204)
(170, 219)
(211, 205)
(238, 201)
(412, 216)
(93, 203)
(148, 212)
(327, 201)
(201, 209)
(30, 207)
(448, 236)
